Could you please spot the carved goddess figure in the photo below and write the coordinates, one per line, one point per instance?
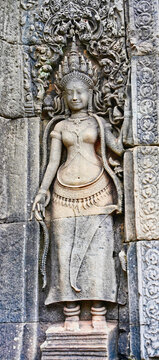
(86, 192)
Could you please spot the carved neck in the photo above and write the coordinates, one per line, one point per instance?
(79, 114)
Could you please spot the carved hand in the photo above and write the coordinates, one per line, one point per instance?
(41, 201)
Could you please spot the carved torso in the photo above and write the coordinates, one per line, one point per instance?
(82, 165)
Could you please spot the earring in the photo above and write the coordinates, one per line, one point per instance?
(90, 106)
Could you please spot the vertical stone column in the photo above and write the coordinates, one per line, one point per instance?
(141, 182)
(19, 179)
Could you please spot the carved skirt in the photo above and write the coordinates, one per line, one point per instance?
(82, 263)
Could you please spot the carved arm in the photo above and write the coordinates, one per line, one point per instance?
(42, 198)
(115, 144)
(54, 161)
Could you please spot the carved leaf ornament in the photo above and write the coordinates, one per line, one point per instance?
(149, 295)
(146, 199)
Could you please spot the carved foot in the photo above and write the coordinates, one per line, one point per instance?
(72, 323)
(72, 318)
(98, 318)
(99, 322)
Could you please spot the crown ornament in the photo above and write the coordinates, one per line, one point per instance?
(75, 65)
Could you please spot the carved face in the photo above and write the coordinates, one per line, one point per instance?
(77, 95)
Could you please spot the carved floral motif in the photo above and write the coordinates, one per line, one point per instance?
(28, 4)
(143, 20)
(146, 192)
(143, 16)
(146, 126)
(99, 28)
(28, 96)
(148, 272)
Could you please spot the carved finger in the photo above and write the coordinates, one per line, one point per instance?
(38, 215)
(38, 206)
(43, 212)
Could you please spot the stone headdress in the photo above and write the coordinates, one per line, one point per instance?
(75, 65)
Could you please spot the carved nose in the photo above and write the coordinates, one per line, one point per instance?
(74, 96)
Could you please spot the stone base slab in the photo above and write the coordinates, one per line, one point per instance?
(85, 343)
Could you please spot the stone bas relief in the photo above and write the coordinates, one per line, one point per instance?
(148, 260)
(86, 193)
(143, 24)
(146, 192)
(144, 95)
(99, 26)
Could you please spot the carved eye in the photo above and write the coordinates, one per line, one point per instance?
(69, 92)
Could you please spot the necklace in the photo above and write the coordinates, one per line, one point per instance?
(77, 121)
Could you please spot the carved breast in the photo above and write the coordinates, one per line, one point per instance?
(87, 135)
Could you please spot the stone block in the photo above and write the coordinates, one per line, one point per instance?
(29, 346)
(123, 344)
(144, 99)
(148, 278)
(130, 232)
(19, 175)
(146, 179)
(19, 272)
(135, 342)
(85, 343)
(10, 341)
(11, 80)
(10, 21)
(143, 25)
(18, 341)
(133, 301)
(141, 193)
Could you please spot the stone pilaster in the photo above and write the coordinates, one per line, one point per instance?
(141, 180)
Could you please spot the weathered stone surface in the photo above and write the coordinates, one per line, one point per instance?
(19, 341)
(143, 178)
(148, 278)
(146, 169)
(133, 301)
(28, 85)
(10, 340)
(10, 21)
(29, 347)
(144, 99)
(130, 233)
(143, 25)
(11, 80)
(123, 343)
(86, 343)
(30, 21)
(135, 342)
(19, 272)
(19, 177)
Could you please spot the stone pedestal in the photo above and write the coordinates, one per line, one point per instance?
(86, 343)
